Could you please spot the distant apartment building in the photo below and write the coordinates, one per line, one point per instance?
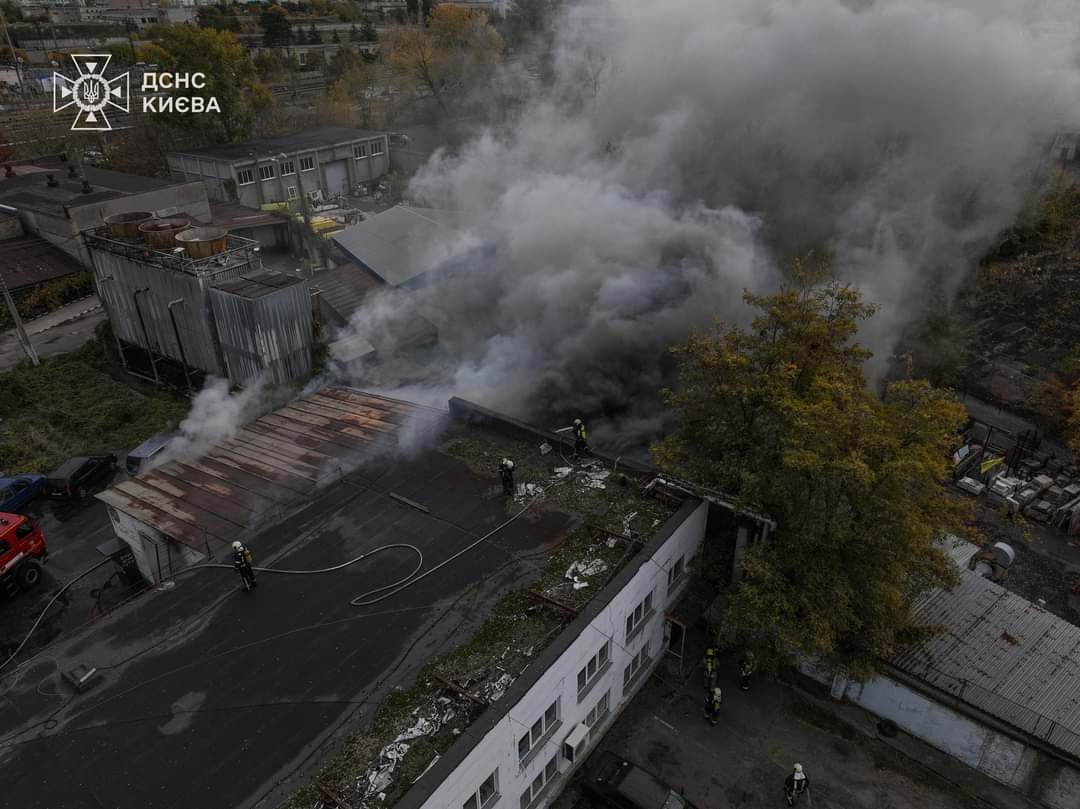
(319, 163)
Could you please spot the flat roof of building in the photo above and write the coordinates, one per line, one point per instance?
(259, 284)
(282, 458)
(1001, 654)
(394, 244)
(293, 142)
(27, 261)
(29, 188)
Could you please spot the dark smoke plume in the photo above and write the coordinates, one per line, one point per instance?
(686, 148)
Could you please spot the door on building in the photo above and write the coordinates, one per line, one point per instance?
(337, 178)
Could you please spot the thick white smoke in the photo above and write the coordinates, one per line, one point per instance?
(688, 146)
(216, 414)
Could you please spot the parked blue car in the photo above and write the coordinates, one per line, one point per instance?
(16, 493)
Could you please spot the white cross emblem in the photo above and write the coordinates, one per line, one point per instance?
(91, 92)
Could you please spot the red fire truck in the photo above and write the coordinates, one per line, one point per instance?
(22, 552)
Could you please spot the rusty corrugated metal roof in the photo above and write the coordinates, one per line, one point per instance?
(269, 466)
(1000, 653)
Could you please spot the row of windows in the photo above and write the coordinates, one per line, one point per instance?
(268, 171)
(532, 792)
(593, 668)
(360, 150)
(587, 675)
(485, 794)
(540, 727)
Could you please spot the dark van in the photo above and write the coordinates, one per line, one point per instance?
(74, 477)
(140, 457)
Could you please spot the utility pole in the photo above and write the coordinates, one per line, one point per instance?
(24, 339)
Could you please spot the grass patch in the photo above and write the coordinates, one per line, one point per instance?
(70, 405)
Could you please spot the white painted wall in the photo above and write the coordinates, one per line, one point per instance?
(1002, 757)
(499, 748)
(152, 548)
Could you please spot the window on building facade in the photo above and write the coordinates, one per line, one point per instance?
(301, 58)
(675, 574)
(292, 192)
(266, 172)
(635, 666)
(540, 728)
(307, 163)
(245, 176)
(376, 147)
(599, 710)
(287, 168)
(359, 150)
(636, 618)
(532, 792)
(592, 669)
(485, 793)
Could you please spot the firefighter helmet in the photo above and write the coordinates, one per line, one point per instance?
(237, 546)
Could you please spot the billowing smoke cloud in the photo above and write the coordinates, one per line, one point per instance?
(216, 414)
(688, 147)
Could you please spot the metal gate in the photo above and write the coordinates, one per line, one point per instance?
(337, 178)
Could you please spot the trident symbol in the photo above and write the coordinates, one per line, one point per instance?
(91, 93)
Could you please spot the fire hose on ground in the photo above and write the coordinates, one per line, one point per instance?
(365, 599)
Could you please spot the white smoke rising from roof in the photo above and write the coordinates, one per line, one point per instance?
(687, 144)
(216, 414)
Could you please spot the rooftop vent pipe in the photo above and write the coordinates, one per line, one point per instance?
(993, 561)
(51, 181)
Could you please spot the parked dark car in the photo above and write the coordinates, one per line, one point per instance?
(619, 783)
(140, 457)
(17, 492)
(75, 476)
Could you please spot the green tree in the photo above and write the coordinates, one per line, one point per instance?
(368, 32)
(346, 60)
(274, 22)
(220, 17)
(314, 37)
(457, 51)
(230, 78)
(780, 415)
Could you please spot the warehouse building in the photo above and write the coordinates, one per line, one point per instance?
(320, 164)
(198, 302)
(997, 687)
(190, 509)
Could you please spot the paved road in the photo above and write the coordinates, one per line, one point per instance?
(55, 333)
(217, 698)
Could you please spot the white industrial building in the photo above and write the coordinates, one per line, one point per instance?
(998, 688)
(526, 745)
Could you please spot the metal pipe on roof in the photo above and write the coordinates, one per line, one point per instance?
(146, 335)
(180, 343)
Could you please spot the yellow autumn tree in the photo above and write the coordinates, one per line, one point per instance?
(781, 416)
(454, 54)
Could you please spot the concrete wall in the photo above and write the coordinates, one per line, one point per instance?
(498, 750)
(1005, 758)
(157, 556)
(63, 231)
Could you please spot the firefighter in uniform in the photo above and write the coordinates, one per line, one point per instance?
(712, 705)
(581, 438)
(506, 474)
(746, 668)
(795, 785)
(710, 671)
(242, 560)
